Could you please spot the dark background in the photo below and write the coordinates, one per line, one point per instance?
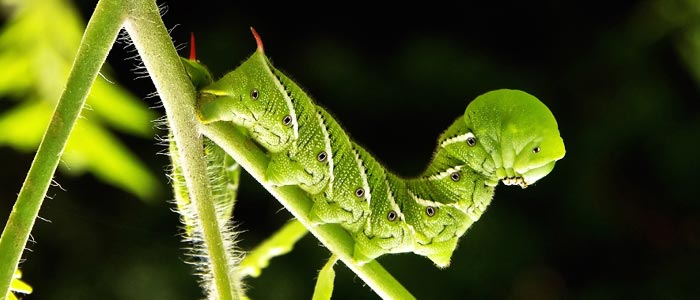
(618, 217)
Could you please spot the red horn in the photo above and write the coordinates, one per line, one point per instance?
(258, 40)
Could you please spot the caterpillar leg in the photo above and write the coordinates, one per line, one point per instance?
(324, 212)
(282, 171)
(438, 252)
(367, 249)
(285, 170)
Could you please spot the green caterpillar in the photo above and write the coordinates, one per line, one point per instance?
(504, 135)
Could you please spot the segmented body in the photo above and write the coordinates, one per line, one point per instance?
(384, 212)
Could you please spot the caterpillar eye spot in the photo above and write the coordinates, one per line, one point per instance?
(254, 94)
(287, 120)
(471, 140)
(536, 150)
(455, 176)
(430, 211)
(391, 216)
(322, 156)
(359, 192)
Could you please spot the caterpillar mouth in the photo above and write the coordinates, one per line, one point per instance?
(524, 177)
(516, 180)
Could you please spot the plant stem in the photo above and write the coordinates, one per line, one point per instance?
(99, 36)
(333, 236)
(153, 43)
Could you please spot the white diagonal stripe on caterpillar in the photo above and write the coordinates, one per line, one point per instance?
(426, 202)
(392, 201)
(457, 139)
(329, 149)
(288, 100)
(444, 174)
(363, 174)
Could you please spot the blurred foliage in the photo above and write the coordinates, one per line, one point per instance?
(18, 286)
(618, 218)
(326, 277)
(37, 47)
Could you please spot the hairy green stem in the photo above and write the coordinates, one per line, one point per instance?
(99, 36)
(152, 40)
(333, 236)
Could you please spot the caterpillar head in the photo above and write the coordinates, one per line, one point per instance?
(506, 135)
(252, 96)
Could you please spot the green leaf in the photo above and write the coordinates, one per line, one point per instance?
(18, 285)
(101, 33)
(91, 147)
(37, 48)
(23, 126)
(280, 243)
(324, 283)
(119, 109)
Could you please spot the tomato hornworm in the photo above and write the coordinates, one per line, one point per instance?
(506, 136)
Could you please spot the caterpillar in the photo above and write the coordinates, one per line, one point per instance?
(506, 136)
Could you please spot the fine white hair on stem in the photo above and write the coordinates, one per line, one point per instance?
(163, 9)
(224, 192)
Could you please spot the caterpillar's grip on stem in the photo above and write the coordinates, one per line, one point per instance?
(504, 135)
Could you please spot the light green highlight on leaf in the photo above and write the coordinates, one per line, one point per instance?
(26, 136)
(19, 286)
(36, 56)
(101, 32)
(280, 243)
(91, 147)
(324, 283)
(119, 109)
